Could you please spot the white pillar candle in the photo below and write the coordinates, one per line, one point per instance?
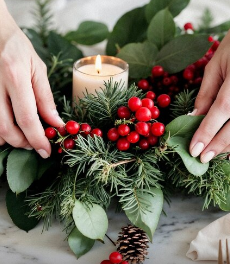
(90, 74)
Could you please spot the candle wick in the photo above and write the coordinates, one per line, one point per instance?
(98, 71)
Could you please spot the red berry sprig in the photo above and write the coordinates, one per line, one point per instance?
(115, 258)
(65, 136)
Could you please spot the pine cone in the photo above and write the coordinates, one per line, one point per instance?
(132, 244)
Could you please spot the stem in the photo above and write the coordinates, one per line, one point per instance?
(111, 240)
(122, 162)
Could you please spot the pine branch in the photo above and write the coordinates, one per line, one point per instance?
(206, 19)
(183, 103)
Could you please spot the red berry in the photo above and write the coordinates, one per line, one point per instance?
(201, 63)
(188, 74)
(97, 132)
(157, 129)
(69, 143)
(60, 150)
(62, 131)
(85, 129)
(143, 84)
(50, 132)
(152, 140)
(115, 257)
(155, 112)
(163, 100)
(113, 134)
(166, 81)
(150, 95)
(144, 144)
(122, 145)
(174, 79)
(146, 102)
(142, 128)
(188, 26)
(123, 112)
(72, 127)
(210, 39)
(134, 103)
(198, 80)
(215, 45)
(143, 114)
(133, 137)
(157, 71)
(123, 130)
(106, 262)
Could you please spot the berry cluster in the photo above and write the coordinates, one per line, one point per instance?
(138, 124)
(68, 133)
(161, 81)
(114, 257)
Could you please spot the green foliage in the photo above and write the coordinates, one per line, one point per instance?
(88, 33)
(18, 211)
(131, 27)
(79, 244)
(140, 56)
(22, 166)
(206, 19)
(161, 28)
(4, 152)
(174, 6)
(145, 209)
(182, 51)
(91, 220)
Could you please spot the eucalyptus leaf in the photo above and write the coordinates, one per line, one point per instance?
(3, 155)
(140, 57)
(79, 243)
(147, 220)
(89, 33)
(18, 209)
(174, 6)
(58, 45)
(130, 28)
(226, 168)
(193, 165)
(182, 51)
(22, 166)
(226, 206)
(91, 221)
(161, 29)
(183, 126)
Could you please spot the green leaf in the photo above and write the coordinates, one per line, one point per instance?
(183, 126)
(174, 6)
(91, 222)
(17, 209)
(226, 168)
(59, 45)
(89, 33)
(140, 57)
(161, 29)
(3, 155)
(148, 219)
(225, 206)
(131, 27)
(193, 165)
(37, 42)
(22, 166)
(182, 51)
(79, 244)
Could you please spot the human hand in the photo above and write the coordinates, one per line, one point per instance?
(24, 91)
(213, 100)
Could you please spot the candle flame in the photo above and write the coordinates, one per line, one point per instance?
(98, 64)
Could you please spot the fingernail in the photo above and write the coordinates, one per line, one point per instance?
(207, 156)
(197, 149)
(58, 118)
(43, 153)
(28, 147)
(193, 112)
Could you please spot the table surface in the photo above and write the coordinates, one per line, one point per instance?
(184, 216)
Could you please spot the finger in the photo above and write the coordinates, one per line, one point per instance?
(44, 97)
(9, 132)
(218, 114)
(211, 83)
(218, 145)
(25, 110)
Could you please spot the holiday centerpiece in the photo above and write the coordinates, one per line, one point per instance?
(122, 144)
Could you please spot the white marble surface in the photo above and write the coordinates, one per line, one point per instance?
(170, 243)
(184, 217)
